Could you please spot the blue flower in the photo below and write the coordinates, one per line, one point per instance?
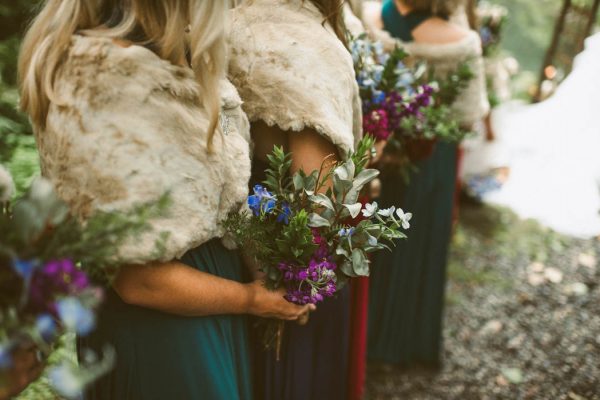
(46, 326)
(261, 201)
(24, 268)
(285, 214)
(75, 316)
(346, 232)
(5, 356)
(378, 97)
(254, 204)
(268, 206)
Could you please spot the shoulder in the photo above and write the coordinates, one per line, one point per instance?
(97, 67)
(438, 31)
(372, 14)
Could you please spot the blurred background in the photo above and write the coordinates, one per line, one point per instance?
(523, 301)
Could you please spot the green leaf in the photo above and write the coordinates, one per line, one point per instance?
(354, 209)
(316, 221)
(322, 200)
(360, 263)
(364, 177)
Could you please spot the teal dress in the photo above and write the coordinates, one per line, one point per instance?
(162, 356)
(407, 284)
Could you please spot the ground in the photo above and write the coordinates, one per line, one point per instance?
(522, 317)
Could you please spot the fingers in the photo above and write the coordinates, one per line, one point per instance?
(26, 369)
(303, 319)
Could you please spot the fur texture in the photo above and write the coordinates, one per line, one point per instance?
(292, 71)
(126, 127)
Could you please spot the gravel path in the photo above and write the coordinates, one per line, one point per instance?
(522, 320)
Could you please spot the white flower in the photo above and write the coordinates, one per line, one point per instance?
(404, 218)
(369, 209)
(388, 212)
(7, 186)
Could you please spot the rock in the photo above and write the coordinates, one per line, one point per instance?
(587, 260)
(536, 267)
(514, 375)
(553, 275)
(577, 289)
(516, 341)
(501, 381)
(491, 327)
(535, 279)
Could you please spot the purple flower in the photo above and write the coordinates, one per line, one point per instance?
(53, 280)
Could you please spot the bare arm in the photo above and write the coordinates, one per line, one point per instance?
(178, 289)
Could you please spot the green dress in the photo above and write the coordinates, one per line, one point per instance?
(163, 356)
(407, 284)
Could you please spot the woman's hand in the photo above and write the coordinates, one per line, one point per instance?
(271, 304)
(26, 368)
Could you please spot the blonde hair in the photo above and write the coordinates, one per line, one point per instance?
(160, 23)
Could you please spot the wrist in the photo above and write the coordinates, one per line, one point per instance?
(250, 294)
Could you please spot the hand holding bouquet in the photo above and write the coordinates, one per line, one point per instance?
(309, 239)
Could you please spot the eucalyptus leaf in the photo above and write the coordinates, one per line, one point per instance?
(360, 263)
(348, 269)
(298, 182)
(340, 251)
(364, 177)
(354, 209)
(322, 200)
(316, 221)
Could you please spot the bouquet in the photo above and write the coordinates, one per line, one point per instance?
(387, 87)
(310, 240)
(44, 292)
(404, 106)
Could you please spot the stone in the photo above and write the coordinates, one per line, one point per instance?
(491, 327)
(553, 275)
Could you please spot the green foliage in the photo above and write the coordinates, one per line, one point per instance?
(450, 87)
(40, 227)
(296, 240)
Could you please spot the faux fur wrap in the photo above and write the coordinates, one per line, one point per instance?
(129, 127)
(472, 105)
(292, 71)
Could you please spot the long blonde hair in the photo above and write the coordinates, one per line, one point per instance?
(159, 23)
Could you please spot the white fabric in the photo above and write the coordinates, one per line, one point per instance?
(554, 150)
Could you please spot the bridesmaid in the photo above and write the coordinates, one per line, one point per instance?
(407, 285)
(296, 78)
(126, 107)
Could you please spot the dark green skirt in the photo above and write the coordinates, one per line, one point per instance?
(407, 284)
(162, 356)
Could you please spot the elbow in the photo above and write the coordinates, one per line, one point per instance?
(128, 293)
(130, 287)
